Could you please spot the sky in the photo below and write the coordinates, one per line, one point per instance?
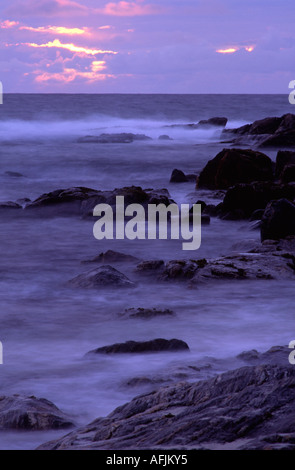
(147, 46)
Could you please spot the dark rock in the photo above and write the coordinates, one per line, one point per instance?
(164, 137)
(178, 176)
(31, 413)
(13, 174)
(288, 174)
(155, 345)
(81, 201)
(146, 312)
(247, 198)
(256, 215)
(181, 269)
(9, 205)
(247, 408)
(215, 121)
(191, 177)
(284, 157)
(278, 220)
(124, 138)
(268, 132)
(152, 265)
(234, 166)
(104, 276)
(111, 256)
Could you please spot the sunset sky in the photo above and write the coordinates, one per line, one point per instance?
(141, 46)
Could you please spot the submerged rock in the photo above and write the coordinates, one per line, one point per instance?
(155, 345)
(31, 413)
(247, 408)
(146, 312)
(111, 256)
(123, 138)
(215, 122)
(233, 166)
(104, 276)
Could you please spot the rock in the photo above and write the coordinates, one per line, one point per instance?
(278, 220)
(146, 313)
(244, 199)
(135, 347)
(247, 408)
(124, 138)
(181, 269)
(31, 413)
(275, 356)
(178, 176)
(111, 256)
(268, 132)
(152, 265)
(80, 201)
(9, 205)
(13, 174)
(104, 276)
(213, 122)
(234, 166)
(164, 137)
(288, 174)
(284, 157)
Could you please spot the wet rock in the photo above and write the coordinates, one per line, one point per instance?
(31, 413)
(13, 174)
(7, 206)
(288, 174)
(123, 138)
(155, 345)
(247, 198)
(146, 313)
(111, 256)
(104, 276)
(80, 201)
(268, 132)
(277, 355)
(150, 266)
(164, 137)
(284, 158)
(213, 122)
(178, 176)
(247, 408)
(181, 269)
(278, 220)
(234, 166)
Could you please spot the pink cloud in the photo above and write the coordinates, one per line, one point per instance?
(136, 8)
(8, 24)
(57, 30)
(70, 47)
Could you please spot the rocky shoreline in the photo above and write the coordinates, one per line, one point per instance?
(250, 407)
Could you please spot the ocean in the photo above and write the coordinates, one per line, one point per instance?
(46, 327)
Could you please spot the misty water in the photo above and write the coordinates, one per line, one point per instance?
(47, 327)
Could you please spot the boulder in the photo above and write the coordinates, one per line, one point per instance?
(248, 408)
(31, 413)
(284, 158)
(234, 166)
(164, 137)
(104, 276)
(288, 174)
(150, 266)
(178, 176)
(135, 347)
(278, 220)
(244, 199)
